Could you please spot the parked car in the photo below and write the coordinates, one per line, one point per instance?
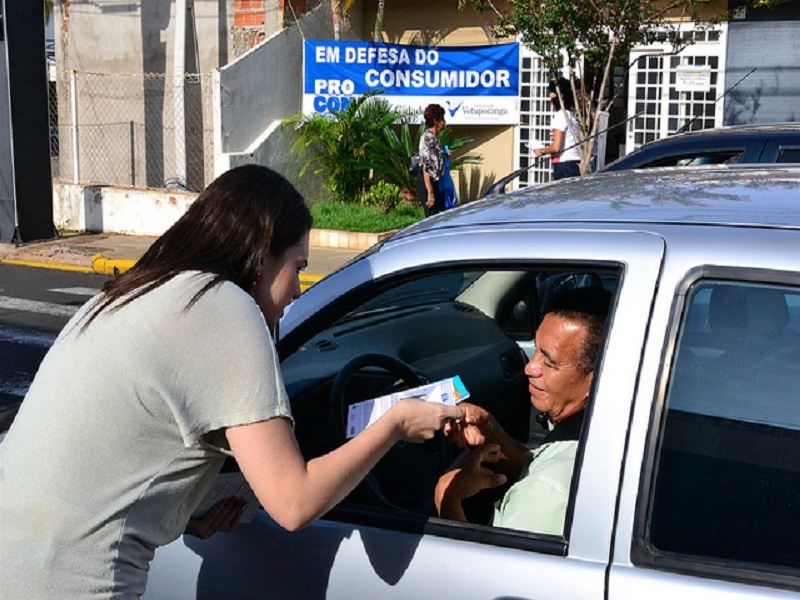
(778, 143)
(687, 478)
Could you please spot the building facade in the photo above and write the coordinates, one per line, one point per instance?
(172, 93)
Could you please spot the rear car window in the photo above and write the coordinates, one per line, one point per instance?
(727, 480)
(788, 155)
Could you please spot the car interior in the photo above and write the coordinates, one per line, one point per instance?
(477, 323)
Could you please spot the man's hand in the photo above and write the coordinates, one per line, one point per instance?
(475, 428)
(223, 516)
(466, 477)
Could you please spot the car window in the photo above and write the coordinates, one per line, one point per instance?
(477, 323)
(727, 482)
(788, 155)
(434, 288)
(697, 158)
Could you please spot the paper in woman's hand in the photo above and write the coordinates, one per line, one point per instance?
(361, 415)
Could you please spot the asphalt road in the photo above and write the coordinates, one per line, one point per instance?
(35, 304)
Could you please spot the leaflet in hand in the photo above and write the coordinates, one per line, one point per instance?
(363, 414)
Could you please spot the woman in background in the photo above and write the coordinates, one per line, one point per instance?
(563, 148)
(431, 157)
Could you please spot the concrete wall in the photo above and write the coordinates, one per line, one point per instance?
(260, 89)
(770, 94)
(117, 210)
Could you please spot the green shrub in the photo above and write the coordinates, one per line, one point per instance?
(339, 144)
(385, 196)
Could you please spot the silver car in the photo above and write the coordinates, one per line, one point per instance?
(687, 478)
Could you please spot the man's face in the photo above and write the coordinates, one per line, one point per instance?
(556, 381)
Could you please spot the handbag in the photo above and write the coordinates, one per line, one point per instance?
(414, 165)
(447, 186)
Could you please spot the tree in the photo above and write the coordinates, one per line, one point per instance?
(376, 36)
(339, 17)
(592, 37)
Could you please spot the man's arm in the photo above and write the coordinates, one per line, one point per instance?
(466, 477)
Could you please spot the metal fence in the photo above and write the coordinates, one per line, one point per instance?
(144, 131)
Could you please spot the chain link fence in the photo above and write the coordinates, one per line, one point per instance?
(143, 131)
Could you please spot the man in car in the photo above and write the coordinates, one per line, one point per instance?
(560, 377)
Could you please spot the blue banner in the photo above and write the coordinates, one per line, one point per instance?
(477, 84)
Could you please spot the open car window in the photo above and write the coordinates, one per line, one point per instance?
(476, 322)
(697, 158)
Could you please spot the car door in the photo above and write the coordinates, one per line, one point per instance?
(373, 551)
(709, 495)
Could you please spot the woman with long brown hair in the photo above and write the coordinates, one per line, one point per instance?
(153, 383)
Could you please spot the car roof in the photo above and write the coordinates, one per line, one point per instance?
(728, 132)
(792, 127)
(754, 195)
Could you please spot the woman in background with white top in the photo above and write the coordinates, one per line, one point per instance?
(563, 148)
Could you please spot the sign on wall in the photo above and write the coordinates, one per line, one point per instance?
(477, 85)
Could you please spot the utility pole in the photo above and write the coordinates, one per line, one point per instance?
(26, 181)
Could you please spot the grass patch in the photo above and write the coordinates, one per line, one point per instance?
(364, 219)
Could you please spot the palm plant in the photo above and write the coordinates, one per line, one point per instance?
(341, 144)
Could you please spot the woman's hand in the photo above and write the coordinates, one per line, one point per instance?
(223, 516)
(418, 420)
(431, 199)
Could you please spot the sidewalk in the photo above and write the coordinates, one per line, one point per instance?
(111, 254)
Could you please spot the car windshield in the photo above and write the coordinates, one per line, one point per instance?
(426, 290)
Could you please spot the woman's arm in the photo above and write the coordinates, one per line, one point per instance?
(429, 183)
(295, 492)
(555, 147)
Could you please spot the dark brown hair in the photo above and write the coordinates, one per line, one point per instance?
(565, 87)
(243, 215)
(433, 113)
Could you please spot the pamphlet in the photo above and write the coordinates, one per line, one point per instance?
(228, 485)
(361, 415)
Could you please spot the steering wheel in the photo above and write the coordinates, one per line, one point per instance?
(405, 477)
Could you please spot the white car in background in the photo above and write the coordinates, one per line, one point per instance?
(687, 479)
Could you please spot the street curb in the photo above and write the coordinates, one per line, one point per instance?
(307, 280)
(110, 266)
(116, 266)
(46, 265)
